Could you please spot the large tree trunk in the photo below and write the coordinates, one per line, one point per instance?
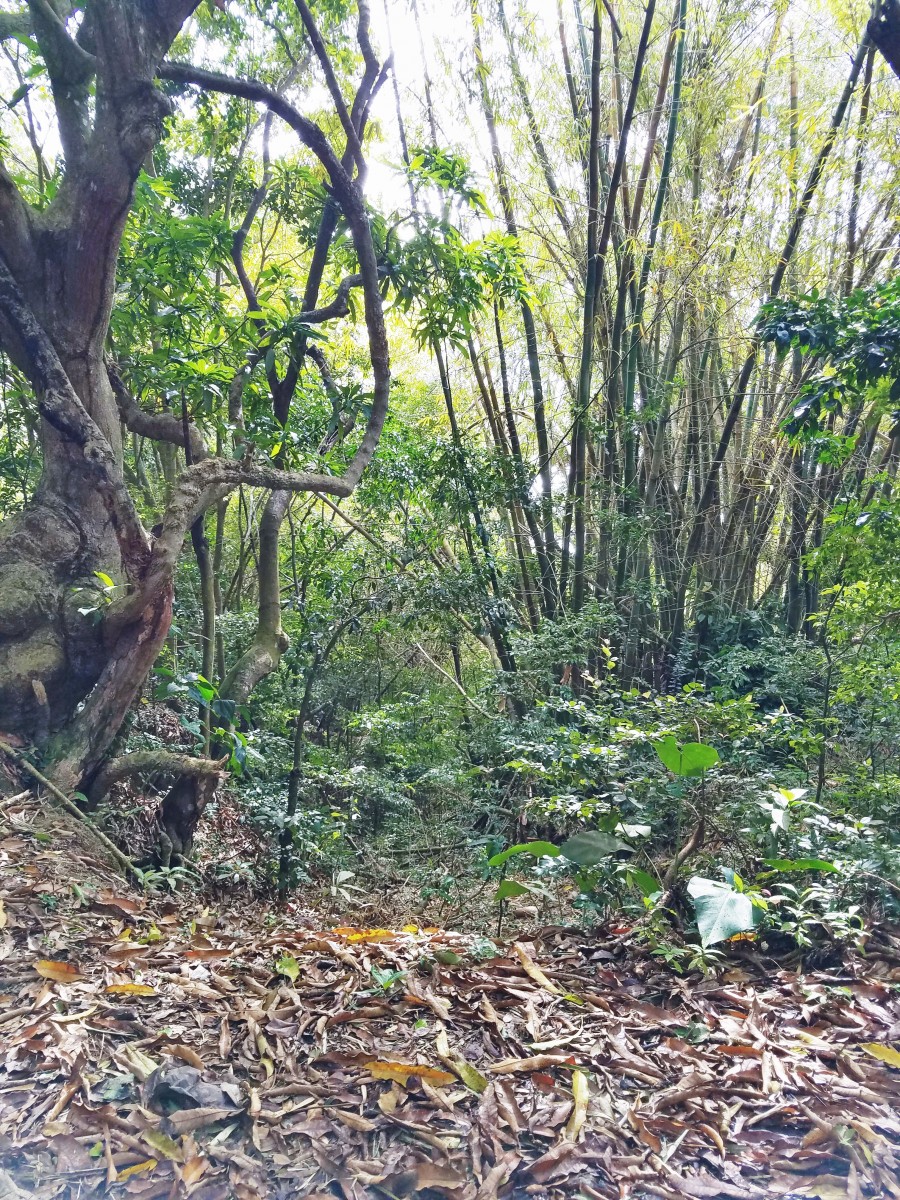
(68, 677)
(60, 278)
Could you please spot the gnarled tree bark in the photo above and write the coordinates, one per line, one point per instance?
(67, 680)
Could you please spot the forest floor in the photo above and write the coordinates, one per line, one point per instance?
(155, 1048)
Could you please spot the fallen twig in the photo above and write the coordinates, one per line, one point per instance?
(72, 809)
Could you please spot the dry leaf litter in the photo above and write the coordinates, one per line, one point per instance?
(156, 1049)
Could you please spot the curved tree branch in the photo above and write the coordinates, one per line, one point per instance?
(349, 197)
(353, 142)
(159, 427)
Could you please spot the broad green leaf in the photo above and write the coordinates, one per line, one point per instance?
(669, 754)
(644, 882)
(721, 911)
(800, 864)
(697, 757)
(509, 888)
(588, 849)
(537, 849)
(693, 758)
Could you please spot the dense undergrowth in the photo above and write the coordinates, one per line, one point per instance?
(409, 788)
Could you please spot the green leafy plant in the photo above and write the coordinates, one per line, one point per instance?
(689, 760)
(724, 909)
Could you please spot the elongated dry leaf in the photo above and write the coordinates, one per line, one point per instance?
(2, 915)
(353, 1120)
(59, 972)
(400, 1072)
(141, 1168)
(109, 899)
(193, 1170)
(885, 1054)
(130, 989)
(162, 1144)
(580, 1096)
(74, 1018)
(509, 1066)
(185, 1053)
(470, 1076)
(533, 971)
(133, 1059)
(186, 1120)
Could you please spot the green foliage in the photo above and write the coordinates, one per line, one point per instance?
(534, 849)
(693, 758)
(856, 339)
(590, 848)
(723, 909)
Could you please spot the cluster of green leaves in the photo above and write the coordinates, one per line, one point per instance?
(856, 340)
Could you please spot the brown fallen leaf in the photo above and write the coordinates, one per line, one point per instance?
(553, 1163)
(533, 971)
(400, 1072)
(647, 1136)
(186, 1120)
(193, 1170)
(109, 899)
(431, 1175)
(59, 972)
(353, 1120)
(185, 1053)
(537, 1063)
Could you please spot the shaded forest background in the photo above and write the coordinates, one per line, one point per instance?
(634, 499)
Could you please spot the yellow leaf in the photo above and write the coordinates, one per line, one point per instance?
(133, 1059)
(580, 1095)
(193, 1170)
(402, 1071)
(138, 1168)
(471, 1077)
(59, 972)
(130, 989)
(410, 929)
(163, 1144)
(533, 971)
(371, 935)
(885, 1054)
(71, 1018)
